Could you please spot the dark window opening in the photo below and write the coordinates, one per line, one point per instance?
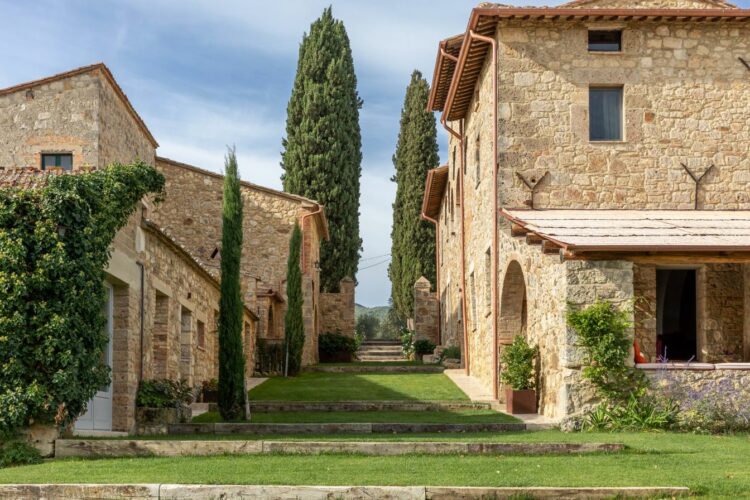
(605, 113)
(676, 313)
(605, 41)
(57, 160)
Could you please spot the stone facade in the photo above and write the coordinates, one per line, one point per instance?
(681, 84)
(192, 212)
(164, 268)
(337, 309)
(426, 312)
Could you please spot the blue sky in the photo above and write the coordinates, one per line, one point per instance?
(204, 74)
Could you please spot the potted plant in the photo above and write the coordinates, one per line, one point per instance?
(162, 402)
(518, 375)
(210, 391)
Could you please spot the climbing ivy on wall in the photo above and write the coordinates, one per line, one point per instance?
(54, 247)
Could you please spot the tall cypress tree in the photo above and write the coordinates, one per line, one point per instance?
(322, 150)
(412, 239)
(231, 354)
(294, 326)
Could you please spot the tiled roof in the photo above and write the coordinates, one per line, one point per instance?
(637, 230)
(437, 179)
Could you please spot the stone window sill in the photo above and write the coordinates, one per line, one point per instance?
(606, 52)
(693, 366)
(201, 348)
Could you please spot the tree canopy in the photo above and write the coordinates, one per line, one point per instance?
(322, 150)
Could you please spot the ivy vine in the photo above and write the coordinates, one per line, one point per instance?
(54, 247)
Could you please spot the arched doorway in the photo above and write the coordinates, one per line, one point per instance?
(513, 303)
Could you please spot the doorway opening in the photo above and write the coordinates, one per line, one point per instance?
(676, 314)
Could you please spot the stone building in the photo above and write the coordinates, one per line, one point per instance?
(164, 271)
(597, 150)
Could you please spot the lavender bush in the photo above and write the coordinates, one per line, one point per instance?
(708, 405)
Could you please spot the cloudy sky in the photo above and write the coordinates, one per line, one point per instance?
(207, 73)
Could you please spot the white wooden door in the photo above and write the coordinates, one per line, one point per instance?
(98, 416)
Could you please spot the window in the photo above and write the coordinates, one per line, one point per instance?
(605, 41)
(472, 287)
(64, 160)
(477, 158)
(605, 113)
(201, 328)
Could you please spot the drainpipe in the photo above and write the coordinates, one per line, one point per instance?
(495, 216)
(464, 303)
(437, 268)
(317, 211)
(143, 313)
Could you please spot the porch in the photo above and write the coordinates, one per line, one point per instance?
(684, 274)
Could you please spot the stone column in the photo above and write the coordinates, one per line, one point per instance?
(426, 312)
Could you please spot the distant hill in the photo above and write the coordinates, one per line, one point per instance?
(379, 312)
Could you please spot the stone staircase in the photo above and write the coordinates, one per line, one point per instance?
(380, 350)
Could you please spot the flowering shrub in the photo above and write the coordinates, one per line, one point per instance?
(713, 406)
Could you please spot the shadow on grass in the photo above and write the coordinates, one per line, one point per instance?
(359, 387)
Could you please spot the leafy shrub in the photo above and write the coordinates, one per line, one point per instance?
(269, 357)
(518, 364)
(602, 331)
(407, 342)
(18, 453)
(163, 393)
(54, 246)
(211, 385)
(423, 346)
(640, 411)
(331, 344)
(451, 352)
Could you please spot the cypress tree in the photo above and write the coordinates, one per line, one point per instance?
(412, 239)
(231, 354)
(322, 150)
(294, 327)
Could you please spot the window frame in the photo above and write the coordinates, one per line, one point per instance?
(621, 89)
(600, 50)
(57, 156)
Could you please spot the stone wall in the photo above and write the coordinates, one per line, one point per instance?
(337, 309)
(721, 313)
(682, 83)
(120, 137)
(192, 213)
(81, 114)
(57, 117)
(426, 312)
(180, 317)
(695, 381)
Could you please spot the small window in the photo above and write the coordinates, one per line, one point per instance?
(201, 327)
(605, 41)
(477, 159)
(605, 113)
(488, 281)
(57, 160)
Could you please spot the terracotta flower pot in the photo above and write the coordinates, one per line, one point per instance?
(520, 401)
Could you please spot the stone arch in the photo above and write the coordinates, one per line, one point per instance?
(513, 303)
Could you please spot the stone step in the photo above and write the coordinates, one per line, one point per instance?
(280, 492)
(381, 342)
(339, 428)
(354, 406)
(384, 368)
(100, 448)
(380, 353)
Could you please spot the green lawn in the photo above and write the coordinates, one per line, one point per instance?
(709, 465)
(358, 387)
(437, 417)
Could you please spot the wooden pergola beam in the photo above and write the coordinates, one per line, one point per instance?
(663, 258)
